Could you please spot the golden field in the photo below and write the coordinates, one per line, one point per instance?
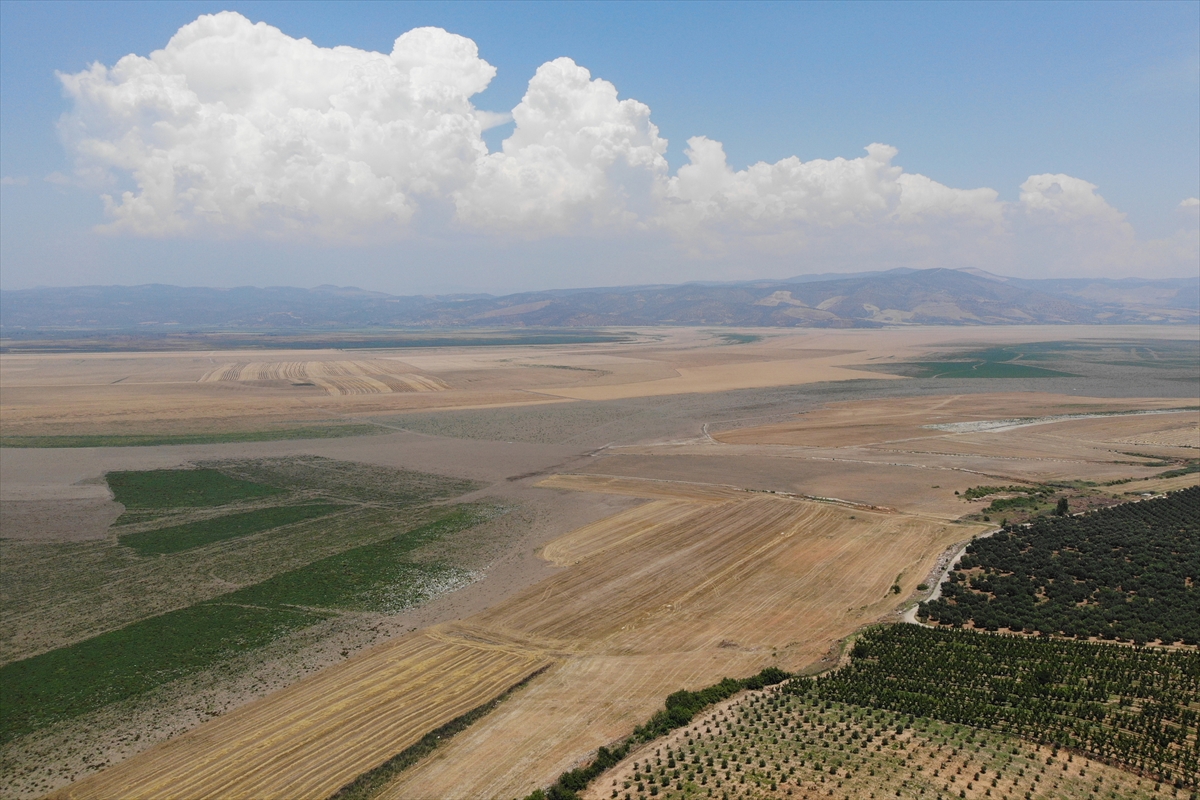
(699, 514)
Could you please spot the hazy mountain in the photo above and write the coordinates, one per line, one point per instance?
(902, 296)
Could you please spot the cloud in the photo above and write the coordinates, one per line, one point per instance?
(236, 128)
(1190, 202)
(867, 190)
(237, 125)
(577, 154)
(9, 180)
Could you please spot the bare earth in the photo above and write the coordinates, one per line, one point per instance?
(694, 510)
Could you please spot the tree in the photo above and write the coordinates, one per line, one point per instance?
(1062, 509)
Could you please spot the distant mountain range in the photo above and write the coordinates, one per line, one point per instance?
(869, 299)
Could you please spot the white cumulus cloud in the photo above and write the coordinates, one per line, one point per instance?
(824, 193)
(237, 127)
(578, 153)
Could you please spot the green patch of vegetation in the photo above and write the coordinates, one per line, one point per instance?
(1188, 469)
(155, 440)
(1095, 698)
(740, 338)
(124, 663)
(130, 661)
(980, 492)
(178, 538)
(979, 369)
(182, 488)
(1031, 502)
(357, 537)
(374, 577)
(1127, 572)
(348, 481)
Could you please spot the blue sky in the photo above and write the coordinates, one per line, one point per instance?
(971, 95)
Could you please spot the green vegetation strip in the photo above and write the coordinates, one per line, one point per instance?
(1126, 572)
(980, 492)
(155, 440)
(373, 577)
(979, 369)
(178, 538)
(371, 783)
(1188, 469)
(131, 661)
(182, 488)
(740, 338)
(1132, 707)
(121, 664)
(679, 710)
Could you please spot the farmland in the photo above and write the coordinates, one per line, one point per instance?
(919, 712)
(371, 707)
(587, 526)
(754, 553)
(1123, 573)
(793, 742)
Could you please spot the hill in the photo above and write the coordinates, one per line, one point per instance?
(902, 296)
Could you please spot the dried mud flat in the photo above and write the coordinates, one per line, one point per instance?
(679, 538)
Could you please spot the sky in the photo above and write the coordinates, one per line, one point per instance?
(421, 148)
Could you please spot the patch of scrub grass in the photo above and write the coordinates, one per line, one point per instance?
(348, 481)
(155, 440)
(740, 338)
(130, 661)
(182, 488)
(178, 538)
(978, 369)
(374, 577)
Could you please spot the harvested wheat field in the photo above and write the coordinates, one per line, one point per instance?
(310, 739)
(642, 487)
(764, 495)
(673, 593)
(678, 598)
(373, 376)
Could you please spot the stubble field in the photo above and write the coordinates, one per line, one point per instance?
(762, 513)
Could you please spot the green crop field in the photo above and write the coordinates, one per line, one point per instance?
(177, 538)
(120, 664)
(156, 440)
(978, 369)
(294, 542)
(136, 658)
(374, 577)
(177, 488)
